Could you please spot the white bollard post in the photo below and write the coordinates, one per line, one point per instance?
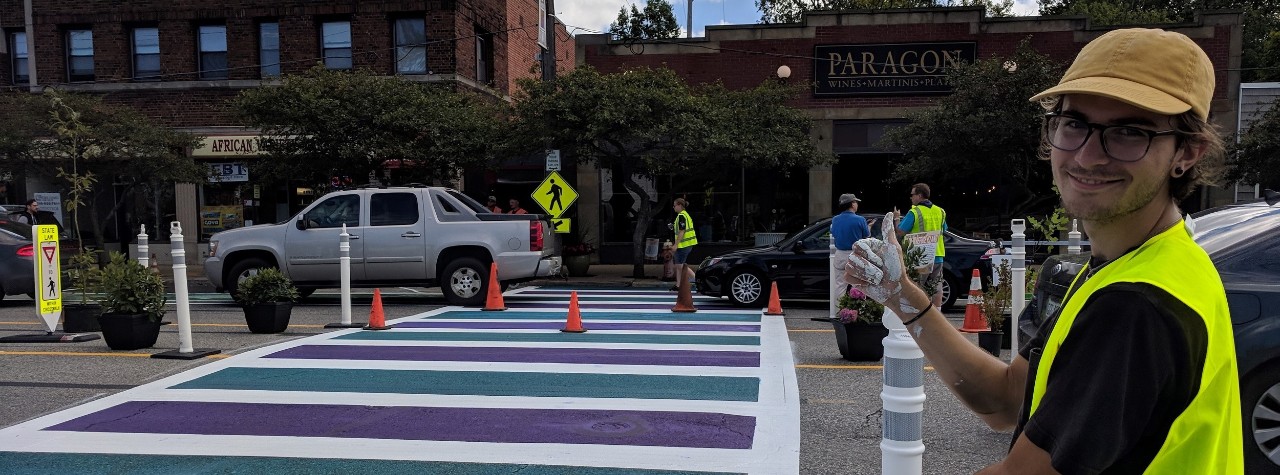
(1073, 238)
(344, 277)
(179, 252)
(1019, 285)
(144, 250)
(831, 272)
(902, 433)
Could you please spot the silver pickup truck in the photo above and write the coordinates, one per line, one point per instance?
(424, 236)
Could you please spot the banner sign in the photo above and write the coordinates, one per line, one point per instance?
(880, 69)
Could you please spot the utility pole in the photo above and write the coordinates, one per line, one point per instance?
(688, 20)
(549, 53)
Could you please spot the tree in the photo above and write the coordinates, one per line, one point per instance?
(791, 11)
(1256, 157)
(657, 21)
(986, 133)
(84, 140)
(650, 123)
(325, 123)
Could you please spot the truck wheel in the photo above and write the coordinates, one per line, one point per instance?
(463, 282)
(242, 270)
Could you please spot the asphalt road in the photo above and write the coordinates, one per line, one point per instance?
(840, 403)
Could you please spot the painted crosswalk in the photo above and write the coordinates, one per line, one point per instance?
(460, 390)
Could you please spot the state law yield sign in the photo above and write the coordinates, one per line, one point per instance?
(554, 195)
(48, 278)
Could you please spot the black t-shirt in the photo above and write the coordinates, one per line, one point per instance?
(1130, 366)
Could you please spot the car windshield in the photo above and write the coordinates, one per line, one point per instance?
(798, 234)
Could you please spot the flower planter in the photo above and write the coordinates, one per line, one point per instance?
(271, 317)
(81, 318)
(128, 331)
(860, 341)
(991, 342)
(577, 265)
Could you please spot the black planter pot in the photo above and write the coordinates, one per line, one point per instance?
(1007, 342)
(991, 342)
(128, 331)
(577, 265)
(860, 341)
(270, 317)
(81, 318)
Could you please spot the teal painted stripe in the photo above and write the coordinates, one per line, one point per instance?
(33, 463)
(482, 383)
(556, 337)
(600, 315)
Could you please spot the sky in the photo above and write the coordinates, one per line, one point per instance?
(594, 16)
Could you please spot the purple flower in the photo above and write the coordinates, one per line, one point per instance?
(856, 294)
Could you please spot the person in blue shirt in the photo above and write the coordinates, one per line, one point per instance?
(847, 227)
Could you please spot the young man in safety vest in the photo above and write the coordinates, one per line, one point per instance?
(686, 238)
(925, 216)
(1137, 372)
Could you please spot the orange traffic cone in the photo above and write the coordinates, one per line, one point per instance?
(684, 301)
(493, 301)
(376, 320)
(574, 323)
(973, 319)
(775, 306)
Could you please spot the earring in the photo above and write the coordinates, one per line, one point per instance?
(1178, 171)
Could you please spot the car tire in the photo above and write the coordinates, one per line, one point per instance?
(465, 282)
(242, 270)
(950, 291)
(1260, 402)
(306, 292)
(747, 288)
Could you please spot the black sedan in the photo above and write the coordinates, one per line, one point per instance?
(800, 265)
(17, 255)
(1243, 241)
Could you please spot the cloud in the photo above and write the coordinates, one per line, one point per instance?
(592, 15)
(1026, 8)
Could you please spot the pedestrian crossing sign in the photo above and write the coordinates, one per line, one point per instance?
(554, 195)
(561, 226)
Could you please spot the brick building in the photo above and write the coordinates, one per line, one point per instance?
(850, 111)
(179, 61)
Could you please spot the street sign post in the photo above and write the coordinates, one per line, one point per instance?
(554, 195)
(46, 257)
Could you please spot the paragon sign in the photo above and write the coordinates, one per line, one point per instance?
(880, 69)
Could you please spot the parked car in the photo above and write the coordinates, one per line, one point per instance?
(1243, 240)
(800, 265)
(17, 265)
(423, 236)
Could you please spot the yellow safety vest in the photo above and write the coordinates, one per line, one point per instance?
(930, 218)
(690, 237)
(1206, 436)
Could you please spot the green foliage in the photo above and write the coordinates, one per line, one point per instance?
(920, 275)
(998, 297)
(129, 288)
(268, 285)
(1256, 157)
(791, 11)
(82, 271)
(327, 122)
(657, 21)
(1051, 226)
(986, 134)
(855, 306)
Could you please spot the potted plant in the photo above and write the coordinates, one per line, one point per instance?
(267, 298)
(859, 332)
(132, 301)
(82, 271)
(994, 303)
(577, 255)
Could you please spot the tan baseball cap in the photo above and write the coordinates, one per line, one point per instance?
(1160, 71)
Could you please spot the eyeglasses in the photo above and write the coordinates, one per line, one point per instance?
(1121, 142)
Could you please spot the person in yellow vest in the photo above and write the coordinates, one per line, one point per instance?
(686, 238)
(925, 216)
(1136, 373)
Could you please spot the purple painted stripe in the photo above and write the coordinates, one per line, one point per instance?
(618, 305)
(528, 426)
(617, 356)
(593, 325)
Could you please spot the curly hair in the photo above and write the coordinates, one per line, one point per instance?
(1191, 129)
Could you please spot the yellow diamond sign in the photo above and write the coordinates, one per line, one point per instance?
(562, 225)
(554, 195)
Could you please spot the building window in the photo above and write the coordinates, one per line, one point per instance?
(484, 56)
(269, 49)
(80, 55)
(411, 46)
(146, 53)
(213, 52)
(18, 44)
(335, 40)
